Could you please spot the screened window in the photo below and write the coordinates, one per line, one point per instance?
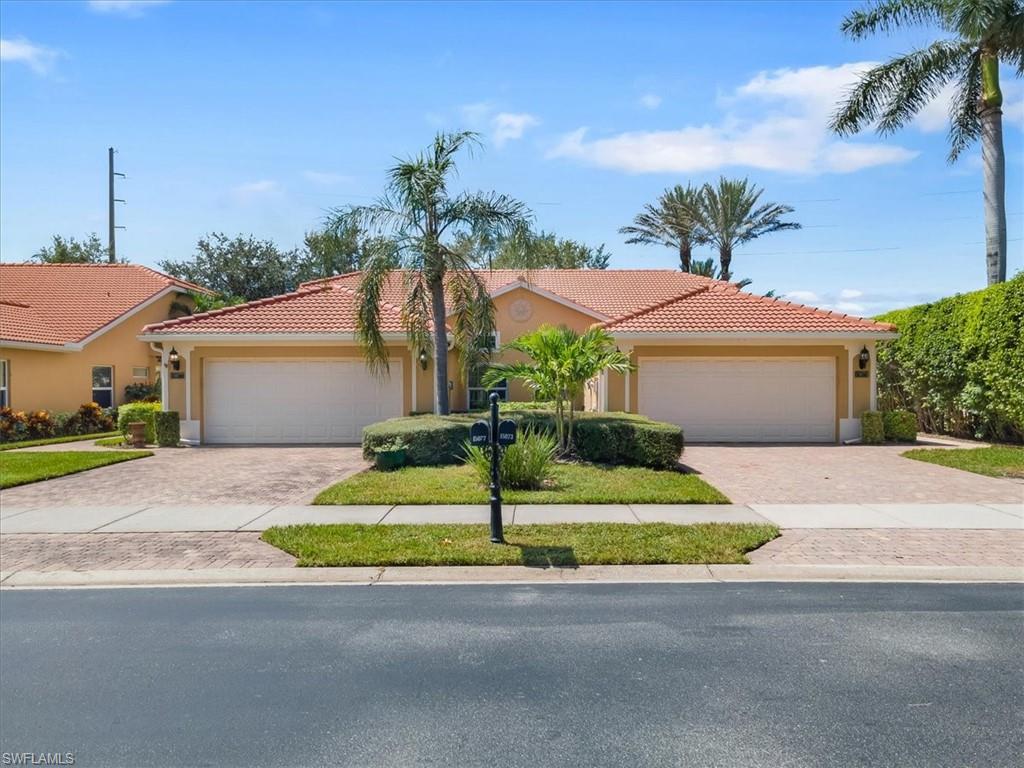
(103, 385)
(140, 373)
(478, 395)
(5, 392)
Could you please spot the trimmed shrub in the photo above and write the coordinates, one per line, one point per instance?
(144, 412)
(603, 438)
(525, 465)
(958, 363)
(872, 429)
(167, 427)
(900, 426)
(89, 418)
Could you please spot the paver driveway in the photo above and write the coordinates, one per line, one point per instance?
(840, 474)
(207, 475)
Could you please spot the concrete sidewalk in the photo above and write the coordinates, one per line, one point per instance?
(253, 517)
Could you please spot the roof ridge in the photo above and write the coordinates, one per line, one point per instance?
(280, 298)
(658, 305)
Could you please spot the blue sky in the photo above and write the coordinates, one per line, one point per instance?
(257, 117)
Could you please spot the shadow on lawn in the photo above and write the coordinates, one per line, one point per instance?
(546, 557)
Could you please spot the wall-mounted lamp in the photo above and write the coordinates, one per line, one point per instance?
(423, 359)
(174, 359)
(864, 358)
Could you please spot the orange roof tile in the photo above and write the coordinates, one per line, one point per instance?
(66, 303)
(632, 300)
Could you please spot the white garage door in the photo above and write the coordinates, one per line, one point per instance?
(749, 399)
(295, 401)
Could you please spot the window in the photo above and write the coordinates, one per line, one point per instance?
(478, 396)
(103, 385)
(5, 392)
(140, 373)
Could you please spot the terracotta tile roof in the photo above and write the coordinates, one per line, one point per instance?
(722, 308)
(65, 303)
(633, 300)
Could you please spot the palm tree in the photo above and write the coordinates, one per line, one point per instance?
(562, 361)
(668, 222)
(728, 215)
(419, 218)
(981, 34)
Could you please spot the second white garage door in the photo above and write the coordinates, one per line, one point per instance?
(750, 399)
(295, 401)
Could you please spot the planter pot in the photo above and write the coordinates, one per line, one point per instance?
(137, 434)
(388, 460)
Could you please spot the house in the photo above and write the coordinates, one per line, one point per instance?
(69, 332)
(725, 364)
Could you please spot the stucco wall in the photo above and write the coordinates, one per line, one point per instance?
(62, 381)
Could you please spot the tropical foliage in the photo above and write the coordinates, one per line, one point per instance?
(525, 464)
(958, 364)
(561, 362)
(979, 34)
(72, 251)
(421, 217)
(668, 222)
(526, 249)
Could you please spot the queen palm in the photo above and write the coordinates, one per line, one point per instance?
(729, 214)
(561, 363)
(668, 222)
(980, 34)
(419, 218)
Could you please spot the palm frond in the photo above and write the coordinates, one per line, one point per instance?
(887, 16)
(369, 295)
(472, 313)
(964, 123)
(497, 213)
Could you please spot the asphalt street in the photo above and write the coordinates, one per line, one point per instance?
(502, 675)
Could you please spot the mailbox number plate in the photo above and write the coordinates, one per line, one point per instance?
(479, 433)
(506, 432)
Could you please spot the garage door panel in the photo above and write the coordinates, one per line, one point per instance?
(742, 399)
(295, 401)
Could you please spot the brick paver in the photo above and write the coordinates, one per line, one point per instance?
(840, 474)
(206, 475)
(893, 546)
(138, 551)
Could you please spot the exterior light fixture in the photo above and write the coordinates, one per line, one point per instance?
(174, 359)
(423, 359)
(864, 358)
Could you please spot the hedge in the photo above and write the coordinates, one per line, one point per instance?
(168, 428)
(872, 430)
(958, 363)
(144, 412)
(900, 426)
(605, 438)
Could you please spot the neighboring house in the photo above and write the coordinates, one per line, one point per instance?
(724, 364)
(69, 332)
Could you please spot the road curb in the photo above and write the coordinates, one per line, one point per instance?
(596, 574)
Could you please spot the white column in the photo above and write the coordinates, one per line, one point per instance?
(851, 364)
(415, 373)
(186, 354)
(602, 392)
(165, 393)
(874, 378)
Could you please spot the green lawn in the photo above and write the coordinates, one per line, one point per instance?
(571, 484)
(53, 440)
(115, 441)
(995, 461)
(535, 545)
(32, 466)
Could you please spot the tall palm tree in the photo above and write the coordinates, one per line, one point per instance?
(419, 218)
(981, 33)
(728, 214)
(562, 361)
(668, 222)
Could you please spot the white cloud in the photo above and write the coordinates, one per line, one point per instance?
(650, 101)
(37, 57)
(852, 301)
(253, 190)
(802, 297)
(777, 121)
(508, 126)
(850, 293)
(325, 178)
(125, 7)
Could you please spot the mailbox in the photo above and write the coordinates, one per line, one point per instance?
(506, 432)
(479, 433)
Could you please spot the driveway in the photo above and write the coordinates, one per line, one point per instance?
(841, 474)
(207, 475)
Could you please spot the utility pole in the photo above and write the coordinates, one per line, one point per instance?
(111, 173)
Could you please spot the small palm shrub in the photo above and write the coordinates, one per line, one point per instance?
(525, 465)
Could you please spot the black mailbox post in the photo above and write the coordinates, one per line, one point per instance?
(499, 434)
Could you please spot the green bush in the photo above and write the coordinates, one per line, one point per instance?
(89, 419)
(603, 438)
(900, 426)
(872, 429)
(525, 464)
(168, 428)
(958, 363)
(144, 412)
(138, 392)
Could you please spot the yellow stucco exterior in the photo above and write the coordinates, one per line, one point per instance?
(62, 381)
